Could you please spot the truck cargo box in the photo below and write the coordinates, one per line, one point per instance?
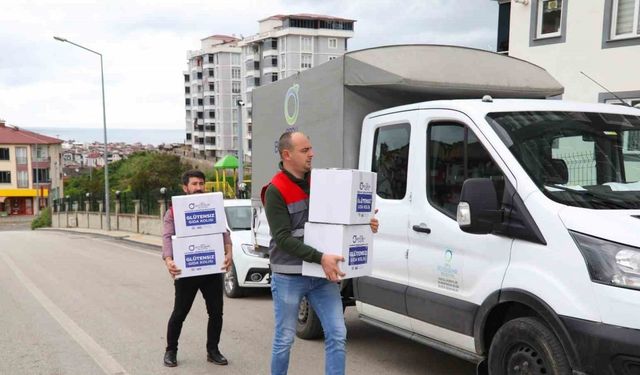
(329, 102)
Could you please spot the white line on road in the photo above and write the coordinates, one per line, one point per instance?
(108, 364)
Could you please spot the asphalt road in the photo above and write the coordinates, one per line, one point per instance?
(81, 304)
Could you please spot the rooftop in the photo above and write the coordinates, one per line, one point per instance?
(15, 136)
(307, 16)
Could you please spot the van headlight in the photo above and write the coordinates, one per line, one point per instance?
(610, 262)
(248, 249)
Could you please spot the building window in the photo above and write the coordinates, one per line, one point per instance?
(187, 90)
(188, 136)
(21, 155)
(212, 100)
(212, 114)
(235, 73)
(504, 21)
(23, 179)
(187, 102)
(212, 87)
(283, 44)
(235, 87)
(391, 159)
(305, 42)
(4, 153)
(210, 57)
(332, 57)
(549, 18)
(199, 75)
(333, 43)
(274, 77)
(210, 72)
(5, 177)
(40, 153)
(548, 22)
(41, 175)
(186, 78)
(621, 23)
(235, 59)
(305, 62)
(200, 102)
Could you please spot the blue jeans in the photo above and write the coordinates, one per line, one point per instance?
(324, 297)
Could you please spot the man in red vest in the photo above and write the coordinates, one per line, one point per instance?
(286, 202)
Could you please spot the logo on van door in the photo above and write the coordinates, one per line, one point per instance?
(292, 104)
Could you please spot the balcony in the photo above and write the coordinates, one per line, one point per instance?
(252, 73)
(269, 52)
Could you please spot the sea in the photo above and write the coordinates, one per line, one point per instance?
(129, 136)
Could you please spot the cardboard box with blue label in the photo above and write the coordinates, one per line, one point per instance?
(353, 242)
(198, 214)
(342, 196)
(198, 255)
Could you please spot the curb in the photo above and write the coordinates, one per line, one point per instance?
(123, 238)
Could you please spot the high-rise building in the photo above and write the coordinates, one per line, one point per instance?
(212, 86)
(285, 45)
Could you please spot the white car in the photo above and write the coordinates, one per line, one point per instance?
(250, 268)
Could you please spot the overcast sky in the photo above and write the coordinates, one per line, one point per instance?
(45, 83)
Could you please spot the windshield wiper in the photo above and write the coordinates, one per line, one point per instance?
(602, 199)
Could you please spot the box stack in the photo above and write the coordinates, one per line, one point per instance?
(341, 205)
(200, 221)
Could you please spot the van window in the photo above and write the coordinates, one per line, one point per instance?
(455, 154)
(390, 160)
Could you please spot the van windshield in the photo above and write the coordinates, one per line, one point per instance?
(582, 159)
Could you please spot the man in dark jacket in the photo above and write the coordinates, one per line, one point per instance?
(286, 204)
(187, 288)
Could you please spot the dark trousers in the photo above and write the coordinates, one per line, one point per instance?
(185, 292)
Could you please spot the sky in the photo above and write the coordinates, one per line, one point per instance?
(46, 83)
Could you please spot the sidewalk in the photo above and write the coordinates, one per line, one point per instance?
(143, 239)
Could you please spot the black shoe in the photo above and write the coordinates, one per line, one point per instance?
(170, 359)
(216, 357)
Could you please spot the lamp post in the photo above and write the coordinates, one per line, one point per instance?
(104, 126)
(240, 104)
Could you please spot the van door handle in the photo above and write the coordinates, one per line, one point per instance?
(422, 228)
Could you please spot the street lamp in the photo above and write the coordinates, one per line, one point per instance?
(240, 104)
(104, 125)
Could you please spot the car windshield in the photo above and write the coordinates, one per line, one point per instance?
(581, 159)
(238, 217)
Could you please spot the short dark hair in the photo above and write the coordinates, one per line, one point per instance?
(195, 173)
(284, 143)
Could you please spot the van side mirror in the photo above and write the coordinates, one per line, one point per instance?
(478, 210)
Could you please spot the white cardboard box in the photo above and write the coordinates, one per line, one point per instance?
(353, 242)
(199, 214)
(342, 196)
(198, 255)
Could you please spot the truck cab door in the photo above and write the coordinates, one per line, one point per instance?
(385, 150)
(450, 272)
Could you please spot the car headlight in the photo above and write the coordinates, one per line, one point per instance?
(610, 262)
(248, 249)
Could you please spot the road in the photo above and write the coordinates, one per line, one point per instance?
(81, 304)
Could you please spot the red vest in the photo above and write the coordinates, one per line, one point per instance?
(289, 190)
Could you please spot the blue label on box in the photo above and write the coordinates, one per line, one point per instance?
(363, 202)
(358, 255)
(198, 218)
(200, 259)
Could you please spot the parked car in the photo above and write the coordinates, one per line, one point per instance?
(250, 268)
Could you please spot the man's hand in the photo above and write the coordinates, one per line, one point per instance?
(329, 263)
(171, 267)
(374, 224)
(228, 258)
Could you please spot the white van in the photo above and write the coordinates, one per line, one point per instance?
(541, 270)
(509, 228)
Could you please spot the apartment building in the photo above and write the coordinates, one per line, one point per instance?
(212, 87)
(286, 45)
(600, 38)
(30, 170)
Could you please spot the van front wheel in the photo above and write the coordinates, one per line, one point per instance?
(309, 326)
(526, 346)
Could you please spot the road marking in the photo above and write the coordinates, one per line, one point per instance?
(108, 364)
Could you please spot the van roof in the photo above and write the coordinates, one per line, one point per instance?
(481, 108)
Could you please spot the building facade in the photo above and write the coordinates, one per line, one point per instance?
(600, 38)
(212, 87)
(30, 171)
(286, 45)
